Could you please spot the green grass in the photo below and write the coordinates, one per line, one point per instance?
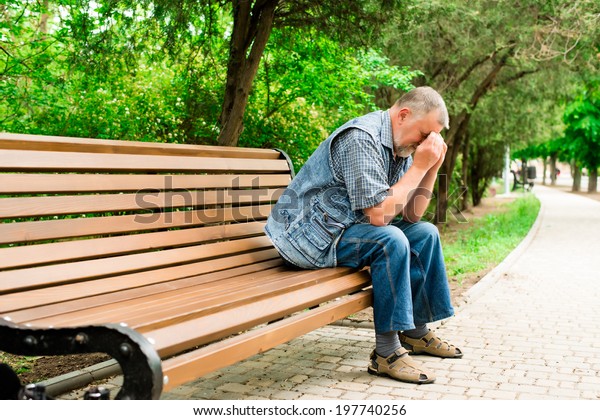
(490, 239)
(20, 364)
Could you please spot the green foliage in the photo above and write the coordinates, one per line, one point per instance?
(511, 83)
(377, 69)
(580, 137)
(582, 120)
(156, 70)
(308, 85)
(95, 76)
(141, 71)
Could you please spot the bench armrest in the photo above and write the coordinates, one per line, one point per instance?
(140, 363)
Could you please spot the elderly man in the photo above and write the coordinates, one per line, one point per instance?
(342, 210)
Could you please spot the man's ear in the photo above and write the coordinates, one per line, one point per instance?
(403, 114)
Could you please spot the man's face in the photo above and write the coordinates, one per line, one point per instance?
(412, 129)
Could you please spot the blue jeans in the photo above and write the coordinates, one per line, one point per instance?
(410, 285)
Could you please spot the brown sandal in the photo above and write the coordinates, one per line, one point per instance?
(399, 366)
(430, 344)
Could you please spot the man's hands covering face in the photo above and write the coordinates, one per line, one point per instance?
(431, 152)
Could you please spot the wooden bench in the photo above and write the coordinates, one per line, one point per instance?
(154, 254)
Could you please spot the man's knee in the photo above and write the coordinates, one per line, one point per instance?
(424, 234)
(393, 237)
(429, 229)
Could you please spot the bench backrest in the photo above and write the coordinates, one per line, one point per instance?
(72, 210)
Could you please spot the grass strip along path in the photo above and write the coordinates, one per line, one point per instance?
(478, 246)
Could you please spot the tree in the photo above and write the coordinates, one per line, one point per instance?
(57, 78)
(308, 84)
(582, 119)
(548, 152)
(519, 115)
(26, 52)
(156, 71)
(251, 26)
(471, 54)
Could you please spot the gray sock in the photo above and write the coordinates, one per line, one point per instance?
(386, 343)
(418, 332)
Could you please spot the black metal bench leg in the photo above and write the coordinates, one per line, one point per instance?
(140, 364)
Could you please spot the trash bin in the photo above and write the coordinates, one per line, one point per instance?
(531, 174)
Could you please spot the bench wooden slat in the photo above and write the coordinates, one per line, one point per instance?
(69, 183)
(77, 307)
(185, 330)
(174, 338)
(30, 278)
(203, 294)
(69, 228)
(102, 247)
(78, 204)
(74, 144)
(196, 300)
(34, 161)
(197, 363)
(21, 306)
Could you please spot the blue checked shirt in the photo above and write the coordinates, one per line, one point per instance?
(367, 166)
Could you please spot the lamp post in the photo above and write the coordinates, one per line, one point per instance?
(507, 171)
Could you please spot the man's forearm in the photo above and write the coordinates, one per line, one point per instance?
(412, 193)
(399, 197)
(419, 199)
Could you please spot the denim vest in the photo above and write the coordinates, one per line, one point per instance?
(312, 213)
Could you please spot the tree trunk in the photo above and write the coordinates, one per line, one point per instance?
(576, 177)
(44, 18)
(252, 25)
(475, 178)
(454, 140)
(553, 169)
(593, 181)
(545, 161)
(465, 174)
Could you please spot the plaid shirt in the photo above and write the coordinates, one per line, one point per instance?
(366, 166)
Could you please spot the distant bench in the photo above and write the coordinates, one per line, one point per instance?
(154, 254)
(527, 185)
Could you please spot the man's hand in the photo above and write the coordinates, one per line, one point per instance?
(430, 153)
(421, 176)
(438, 164)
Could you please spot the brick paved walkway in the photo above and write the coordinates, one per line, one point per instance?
(530, 330)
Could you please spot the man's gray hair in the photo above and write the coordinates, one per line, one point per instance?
(422, 100)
